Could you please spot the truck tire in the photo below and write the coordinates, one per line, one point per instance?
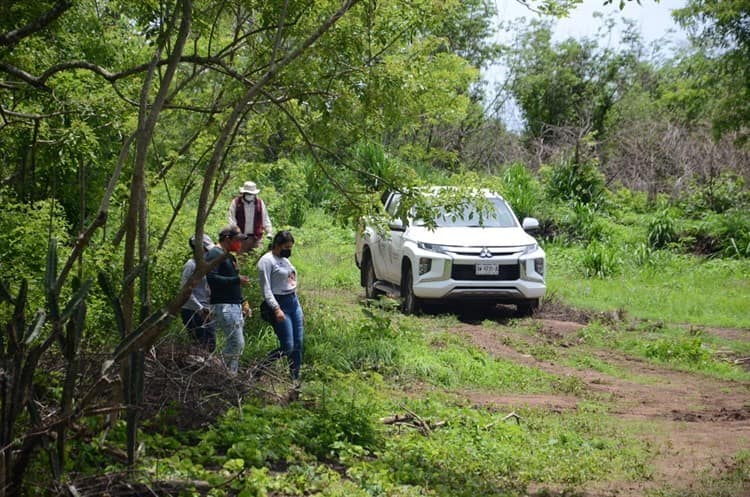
(369, 278)
(410, 304)
(527, 307)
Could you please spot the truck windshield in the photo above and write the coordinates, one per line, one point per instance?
(498, 217)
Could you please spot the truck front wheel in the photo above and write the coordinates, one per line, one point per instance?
(527, 308)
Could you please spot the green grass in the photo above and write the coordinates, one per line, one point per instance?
(409, 349)
(679, 347)
(671, 288)
(366, 363)
(460, 450)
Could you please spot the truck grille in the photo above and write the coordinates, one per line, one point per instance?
(466, 272)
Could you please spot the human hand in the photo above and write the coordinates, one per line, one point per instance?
(246, 310)
(244, 280)
(279, 315)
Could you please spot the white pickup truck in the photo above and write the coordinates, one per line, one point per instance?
(459, 258)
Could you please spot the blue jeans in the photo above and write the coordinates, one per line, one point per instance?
(230, 321)
(290, 332)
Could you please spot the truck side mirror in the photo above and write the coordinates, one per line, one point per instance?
(530, 224)
(396, 225)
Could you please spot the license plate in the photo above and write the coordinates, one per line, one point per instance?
(486, 269)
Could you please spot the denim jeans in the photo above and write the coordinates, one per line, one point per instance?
(290, 331)
(229, 319)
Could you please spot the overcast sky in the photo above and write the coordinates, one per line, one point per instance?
(652, 17)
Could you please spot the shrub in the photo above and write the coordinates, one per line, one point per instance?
(600, 260)
(521, 190)
(726, 234)
(284, 189)
(577, 182)
(24, 230)
(575, 222)
(661, 230)
(718, 194)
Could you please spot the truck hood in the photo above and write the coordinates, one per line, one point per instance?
(471, 237)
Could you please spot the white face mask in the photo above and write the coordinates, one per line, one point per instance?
(249, 197)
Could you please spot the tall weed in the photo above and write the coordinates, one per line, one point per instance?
(600, 260)
(662, 230)
(576, 182)
(522, 190)
(689, 349)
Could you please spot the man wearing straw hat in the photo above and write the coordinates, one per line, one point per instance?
(248, 212)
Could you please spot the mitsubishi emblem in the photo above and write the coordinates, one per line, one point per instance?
(485, 253)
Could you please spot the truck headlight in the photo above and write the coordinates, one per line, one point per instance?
(530, 248)
(432, 247)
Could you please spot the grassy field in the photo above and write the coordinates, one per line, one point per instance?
(462, 431)
(671, 288)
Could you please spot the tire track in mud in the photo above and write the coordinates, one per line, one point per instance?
(699, 422)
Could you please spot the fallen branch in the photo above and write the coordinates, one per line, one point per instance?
(506, 418)
(414, 420)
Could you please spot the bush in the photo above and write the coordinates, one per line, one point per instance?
(284, 189)
(600, 260)
(719, 194)
(575, 222)
(521, 190)
(577, 182)
(24, 231)
(661, 230)
(726, 234)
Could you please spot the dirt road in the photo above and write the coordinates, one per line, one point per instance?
(700, 423)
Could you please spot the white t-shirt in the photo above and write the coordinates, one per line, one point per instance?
(277, 276)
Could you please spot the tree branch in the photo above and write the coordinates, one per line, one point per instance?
(41, 22)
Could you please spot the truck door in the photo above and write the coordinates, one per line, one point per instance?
(394, 241)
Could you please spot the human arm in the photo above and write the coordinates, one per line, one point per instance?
(267, 227)
(231, 214)
(224, 273)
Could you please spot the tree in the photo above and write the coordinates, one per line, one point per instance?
(722, 29)
(164, 76)
(571, 84)
(103, 100)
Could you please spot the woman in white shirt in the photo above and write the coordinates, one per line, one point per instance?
(278, 285)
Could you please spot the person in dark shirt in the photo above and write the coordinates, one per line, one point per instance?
(227, 301)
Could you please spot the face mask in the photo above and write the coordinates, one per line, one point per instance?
(249, 197)
(286, 253)
(235, 246)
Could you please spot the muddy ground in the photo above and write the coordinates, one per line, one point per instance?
(700, 423)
